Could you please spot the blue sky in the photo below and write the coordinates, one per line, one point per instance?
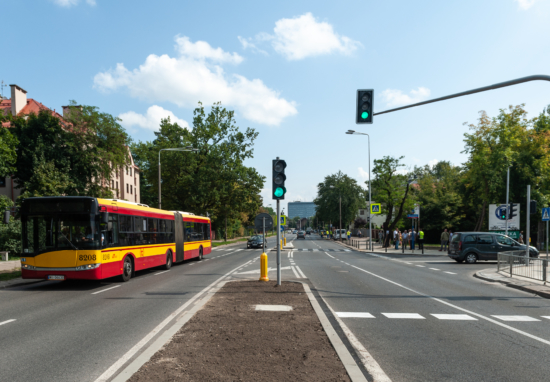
(289, 69)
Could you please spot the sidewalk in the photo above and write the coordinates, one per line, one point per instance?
(253, 331)
(517, 282)
(11, 265)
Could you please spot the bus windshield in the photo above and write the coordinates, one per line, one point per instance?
(58, 232)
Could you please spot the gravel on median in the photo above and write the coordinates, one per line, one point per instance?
(228, 340)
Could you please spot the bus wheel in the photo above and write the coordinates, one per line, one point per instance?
(168, 264)
(200, 254)
(127, 269)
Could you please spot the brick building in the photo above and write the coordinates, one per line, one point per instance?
(124, 182)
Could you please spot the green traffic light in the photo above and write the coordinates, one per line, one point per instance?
(365, 114)
(279, 192)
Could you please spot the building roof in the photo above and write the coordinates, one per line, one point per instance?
(32, 106)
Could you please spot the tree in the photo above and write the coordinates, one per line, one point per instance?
(328, 199)
(82, 151)
(391, 188)
(213, 180)
(8, 145)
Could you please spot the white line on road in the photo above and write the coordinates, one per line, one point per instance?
(162, 272)
(7, 322)
(330, 255)
(546, 342)
(435, 269)
(300, 272)
(104, 290)
(454, 317)
(451, 273)
(404, 315)
(354, 315)
(421, 266)
(295, 273)
(130, 353)
(516, 318)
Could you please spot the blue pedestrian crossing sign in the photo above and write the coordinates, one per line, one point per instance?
(375, 208)
(546, 214)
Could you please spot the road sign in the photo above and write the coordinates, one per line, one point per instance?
(376, 208)
(546, 214)
(283, 220)
(259, 222)
(412, 216)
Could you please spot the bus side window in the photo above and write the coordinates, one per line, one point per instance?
(112, 229)
(207, 231)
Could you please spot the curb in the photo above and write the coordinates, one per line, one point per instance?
(18, 282)
(525, 286)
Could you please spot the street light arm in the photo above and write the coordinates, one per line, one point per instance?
(539, 77)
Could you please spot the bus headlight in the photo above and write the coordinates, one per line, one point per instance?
(87, 267)
(28, 267)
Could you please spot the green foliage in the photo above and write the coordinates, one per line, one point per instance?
(213, 180)
(328, 199)
(76, 155)
(10, 237)
(8, 145)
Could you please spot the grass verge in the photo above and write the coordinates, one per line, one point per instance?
(10, 275)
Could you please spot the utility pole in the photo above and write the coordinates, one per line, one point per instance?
(528, 213)
(507, 201)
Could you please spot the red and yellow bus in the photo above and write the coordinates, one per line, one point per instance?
(91, 238)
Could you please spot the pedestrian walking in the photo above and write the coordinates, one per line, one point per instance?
(444, 240)
(405, 237)
(520, 237)
(420, 239)
(349, 235)
(396, 238)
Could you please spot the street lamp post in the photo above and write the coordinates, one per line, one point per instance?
(353, 132)
(188, 148)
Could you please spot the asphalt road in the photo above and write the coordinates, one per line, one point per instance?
(62, 331)
(476, 346)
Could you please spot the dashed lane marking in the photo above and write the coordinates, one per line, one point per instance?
(6, 322)
(421, 266)
(451, 273)
(454, 317)
(330, 255)
(162, 272)
(105, 290)
(516, 318)
(354, 315)
(404, 315)
(435, 269)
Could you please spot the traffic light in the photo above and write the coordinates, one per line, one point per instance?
(513, 210)
(279, 178)
(503, 213)
(533, 207)
(365, 100)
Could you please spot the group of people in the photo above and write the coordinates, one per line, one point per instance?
(404, 238)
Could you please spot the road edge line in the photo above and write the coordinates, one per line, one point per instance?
(345, 356)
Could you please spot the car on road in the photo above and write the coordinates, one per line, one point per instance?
(473, 246)
(256, 241)
(301, 235)
(294, 232)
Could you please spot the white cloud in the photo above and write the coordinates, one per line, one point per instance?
(151, 120)
(70, 3)
(525, 4)
(433, 162)
(302, 37)
(395, 98)
(248, 43)
(363, 175)
(193, 77)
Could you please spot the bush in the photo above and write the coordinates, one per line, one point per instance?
(10, 237)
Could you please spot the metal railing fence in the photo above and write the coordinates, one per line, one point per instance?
(516, 263)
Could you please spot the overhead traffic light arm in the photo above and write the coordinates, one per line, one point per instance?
(539, 77)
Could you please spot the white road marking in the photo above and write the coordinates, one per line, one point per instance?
(104, 290)
(7, 322)
(516, 318)
(404, 315)
(454, 317)
(435, 269)
(295, 273)
(354, 315)
(451, 273)
(330, 255)
(546, 342)
(548, 317)
(347, 250)
(130, 353)
(421, 266)
(162, 272)
(300, 272)
(408, 263)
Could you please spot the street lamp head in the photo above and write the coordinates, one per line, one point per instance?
(350, 131)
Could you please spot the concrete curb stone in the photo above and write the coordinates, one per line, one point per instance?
(492, 276)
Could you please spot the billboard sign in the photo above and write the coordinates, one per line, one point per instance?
(496, 223)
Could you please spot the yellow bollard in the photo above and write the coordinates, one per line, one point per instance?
(263, 267)
(281, 244)
(285, 240)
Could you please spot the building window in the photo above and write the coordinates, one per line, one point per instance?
(127, 188)
(131, 190)
(361, 212)
(2, 181)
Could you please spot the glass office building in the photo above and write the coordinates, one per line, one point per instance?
(301, 209)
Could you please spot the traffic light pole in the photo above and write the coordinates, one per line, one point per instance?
(278, 243)
(528, 213)
(507, 202)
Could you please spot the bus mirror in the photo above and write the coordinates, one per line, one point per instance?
(105, 218)
(6, 217)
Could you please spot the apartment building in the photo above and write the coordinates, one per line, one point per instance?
(124, 182)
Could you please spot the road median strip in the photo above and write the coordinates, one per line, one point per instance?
(229, 338)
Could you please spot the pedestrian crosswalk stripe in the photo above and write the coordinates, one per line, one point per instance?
(451, 273)
(548, 317)
(354, 315)
(516, 318)
(435, 269)
(454, 317)
(404, 315)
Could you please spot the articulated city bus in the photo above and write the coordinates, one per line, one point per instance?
(91, 238)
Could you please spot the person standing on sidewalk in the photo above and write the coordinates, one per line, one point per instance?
(405, 239)
(420, 239)
(520, 240)
(444, 240)
(396, 238)
(349, 235)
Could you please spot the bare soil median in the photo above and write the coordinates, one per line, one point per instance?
(228, 340)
